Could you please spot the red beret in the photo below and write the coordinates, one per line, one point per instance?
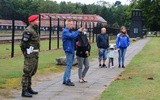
(33, 18)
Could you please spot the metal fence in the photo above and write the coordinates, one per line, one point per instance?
(54, 32)
(51, 32)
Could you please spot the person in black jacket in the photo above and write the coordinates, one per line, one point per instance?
(102, 44)
(82, 53)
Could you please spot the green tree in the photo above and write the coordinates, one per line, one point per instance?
(18, 9)
(115, 14)
(117, 3)
(84, 9)
(77, 9)
(48, 7)
(66, 7)
(150, 12)
(24, 8)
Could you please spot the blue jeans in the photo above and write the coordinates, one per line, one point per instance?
(121, 56)
(69, 63)
(102, 54)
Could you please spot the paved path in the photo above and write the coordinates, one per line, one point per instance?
(98, 80)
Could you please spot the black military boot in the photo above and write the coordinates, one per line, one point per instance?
(123, 66)
(25, 93)
(32, 91)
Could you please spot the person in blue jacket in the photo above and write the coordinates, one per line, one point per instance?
(122, 42)
(68, 39)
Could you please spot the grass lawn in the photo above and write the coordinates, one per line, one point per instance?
(11, 69)
(141, 78)
(5, 49)
(19, 32)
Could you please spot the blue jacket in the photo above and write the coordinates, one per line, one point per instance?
(68, 39)
(122, 41)
(102, 41)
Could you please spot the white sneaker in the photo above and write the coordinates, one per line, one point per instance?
(81, 81)
(112, 67)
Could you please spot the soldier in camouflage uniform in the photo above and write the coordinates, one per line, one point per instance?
(30, 47)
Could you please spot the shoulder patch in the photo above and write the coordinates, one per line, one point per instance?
(27, 33)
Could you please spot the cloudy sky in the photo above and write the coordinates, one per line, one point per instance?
(93, 1)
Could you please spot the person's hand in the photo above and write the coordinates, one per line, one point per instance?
(89, 41)
(117, 49)
(99, 50)
(87, 53)
(80, 29)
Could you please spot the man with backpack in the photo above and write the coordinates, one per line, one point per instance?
(82, 53)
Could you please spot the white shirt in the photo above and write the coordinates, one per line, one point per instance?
(111, 53)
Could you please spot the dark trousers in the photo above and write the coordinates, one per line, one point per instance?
(111, 61)
(29, 69)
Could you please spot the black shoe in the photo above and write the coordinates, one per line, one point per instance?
(26, 94)
(70, 84)
(32, 91)
(104, 65)
(99, 65)
(119, 66)
(64, 82)
(123, 66)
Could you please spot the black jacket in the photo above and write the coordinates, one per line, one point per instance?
(82, 45)
(103, 41)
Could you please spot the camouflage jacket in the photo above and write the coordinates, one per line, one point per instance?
(30, 37)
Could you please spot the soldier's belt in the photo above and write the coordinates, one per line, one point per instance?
(36, 50)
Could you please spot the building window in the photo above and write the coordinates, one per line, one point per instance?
(86, 17)
(139, 13)
(69, 17)
(63, 17)
(91, 18)
(53, 17)
(79, 17)
(135, 30)
(133, 13)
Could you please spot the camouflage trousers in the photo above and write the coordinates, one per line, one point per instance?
(29, 69)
